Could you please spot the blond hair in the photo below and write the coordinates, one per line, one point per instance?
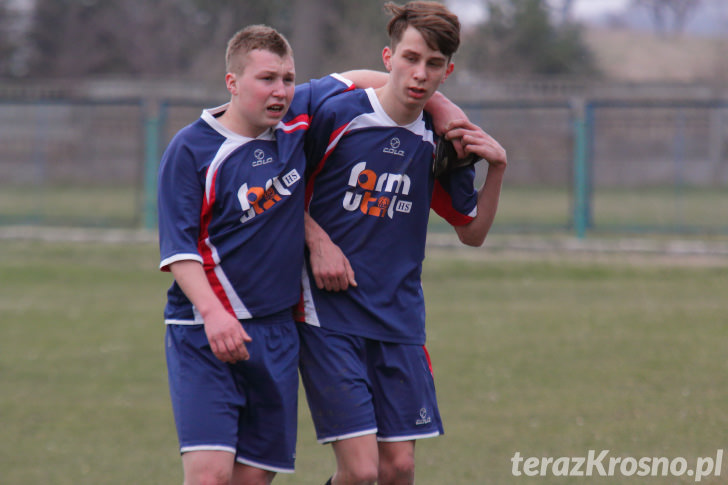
(254, 37)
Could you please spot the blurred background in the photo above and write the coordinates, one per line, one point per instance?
(614, 112)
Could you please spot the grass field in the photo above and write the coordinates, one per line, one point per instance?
(522, 209)
(545, 354)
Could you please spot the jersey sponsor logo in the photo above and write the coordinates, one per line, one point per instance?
(392, 149)
(256, 200)
(380, 192)
(260, 158)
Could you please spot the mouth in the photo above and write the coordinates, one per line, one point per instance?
(276, 109)
(416, 92)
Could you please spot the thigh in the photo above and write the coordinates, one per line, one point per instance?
(269, 381)
(405, 401)
(204, 398)
(336, 383)
(357, 459)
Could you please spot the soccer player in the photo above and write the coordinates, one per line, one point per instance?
(231, 231)
(365, 369)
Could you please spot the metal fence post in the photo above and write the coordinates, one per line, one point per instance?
(152, 137)
(580, 213)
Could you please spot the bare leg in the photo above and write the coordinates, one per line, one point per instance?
(208, 467)
(248, 475)
(356, 461)
(397, 463)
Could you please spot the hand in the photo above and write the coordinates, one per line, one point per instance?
(227, 336)
(470, 138)
(443, 112)
(331, 268)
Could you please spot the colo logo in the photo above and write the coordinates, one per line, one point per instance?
(260, 159)
(392, 149)
(424, 418)
(384, 184)
(256, 200)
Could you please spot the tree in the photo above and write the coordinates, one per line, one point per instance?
(187, 38)
(519, 38)
(669, 16)
(75, 38)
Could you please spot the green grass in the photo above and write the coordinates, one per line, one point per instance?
(547, 356)
(71, 206)
(522, 209)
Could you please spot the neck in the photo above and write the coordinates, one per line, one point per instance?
(235, 123)
(399, 112)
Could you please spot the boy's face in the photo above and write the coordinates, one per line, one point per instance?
(262, 93)
(416, 70)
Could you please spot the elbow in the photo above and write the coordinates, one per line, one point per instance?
(472, 240)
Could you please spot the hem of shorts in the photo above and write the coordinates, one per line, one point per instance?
(355, 434)
(264, 466)
(229, 449)
(388, 439)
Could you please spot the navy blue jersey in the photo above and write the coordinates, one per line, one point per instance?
(235, 204)
(371, 189)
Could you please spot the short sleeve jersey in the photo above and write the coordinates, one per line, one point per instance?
(371, 189)
(235, 204)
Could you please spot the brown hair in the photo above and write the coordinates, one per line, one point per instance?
(251, 38)
(438, 26)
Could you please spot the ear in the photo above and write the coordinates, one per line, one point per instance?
(450, 69)
(231, 82)
(387, 58)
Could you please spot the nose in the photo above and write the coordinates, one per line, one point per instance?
(279, 89)
(419, 73)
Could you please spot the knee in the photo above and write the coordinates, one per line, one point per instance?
(398, 468)
(361, 474)
(208, 477)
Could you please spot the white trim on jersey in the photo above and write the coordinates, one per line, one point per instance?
(349, 83)
(210, 117)
(241, 311)
(309, 307)
(380, 118)
(180, 257)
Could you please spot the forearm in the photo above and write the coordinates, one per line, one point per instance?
(315, 235)
(474, 233)
(329, 265)
(366, 78)
(191, 278)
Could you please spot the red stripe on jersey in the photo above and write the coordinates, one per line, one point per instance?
(429, 362)
(205, 251)
(320, 165)
(300, 122)
(442, 204)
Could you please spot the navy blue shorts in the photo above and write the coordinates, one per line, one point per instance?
(357, 386)
(248, 408)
